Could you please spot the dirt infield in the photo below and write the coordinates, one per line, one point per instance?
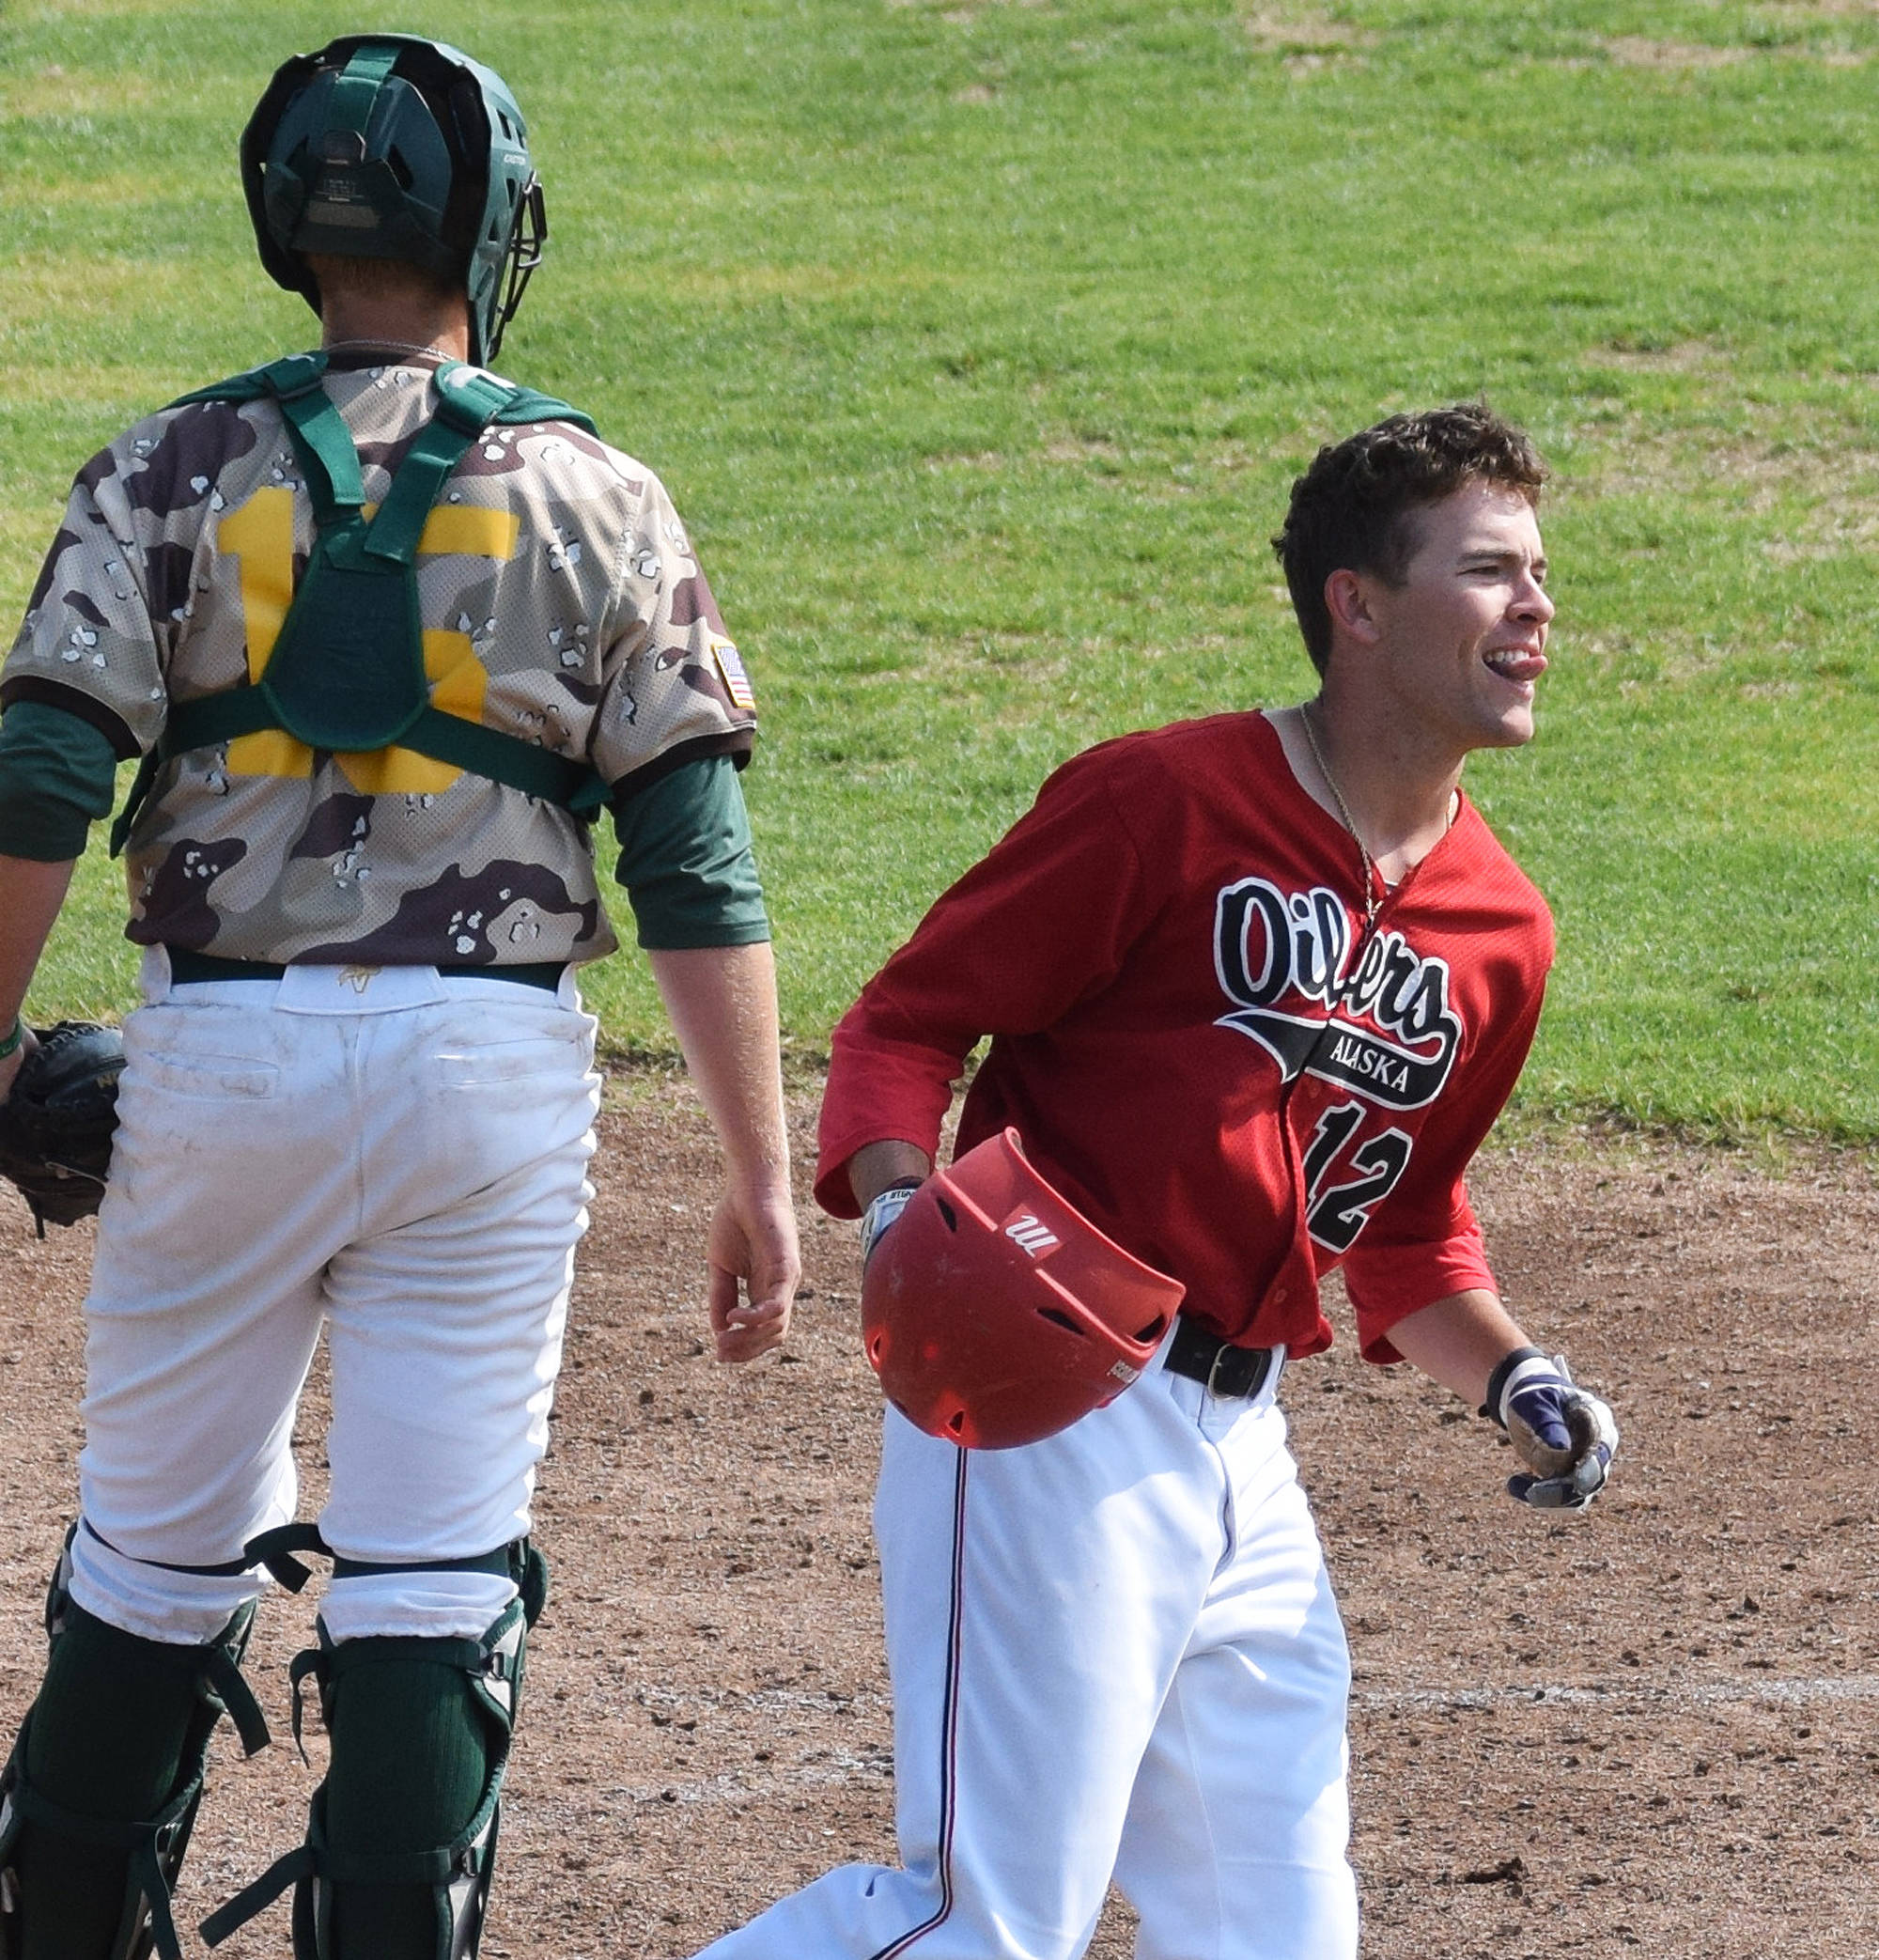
(1654, 1729)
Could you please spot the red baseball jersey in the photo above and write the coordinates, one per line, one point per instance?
(1200, 1043)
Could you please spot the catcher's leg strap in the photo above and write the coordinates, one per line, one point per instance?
(401, 1836)
(278, 1550)
(102, 1789)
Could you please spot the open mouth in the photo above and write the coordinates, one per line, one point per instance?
(1516, 664)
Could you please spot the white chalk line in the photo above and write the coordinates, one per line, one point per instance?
(840, 1766)
(832, 1769)
(1701, 1694)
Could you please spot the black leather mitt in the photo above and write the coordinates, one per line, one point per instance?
(56, 1125)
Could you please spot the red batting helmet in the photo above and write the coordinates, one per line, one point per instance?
(995, 1314)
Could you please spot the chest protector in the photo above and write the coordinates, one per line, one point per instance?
(347, 669)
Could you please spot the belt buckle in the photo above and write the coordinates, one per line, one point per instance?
(1220, 1354)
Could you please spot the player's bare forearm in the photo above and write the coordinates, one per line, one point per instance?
(31, 894)
(874, 1166)
(1459, 1341)
(722, 1004)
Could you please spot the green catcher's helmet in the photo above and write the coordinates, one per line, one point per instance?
(386, 146)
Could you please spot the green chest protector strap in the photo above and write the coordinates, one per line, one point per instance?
(346, 672)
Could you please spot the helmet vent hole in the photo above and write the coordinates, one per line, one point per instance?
(955, 1422)
(1057, 1317)
(1155, 1329)
(947, 1215)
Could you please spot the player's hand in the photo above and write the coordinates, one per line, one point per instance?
(1565, 1436)
(752, 1270)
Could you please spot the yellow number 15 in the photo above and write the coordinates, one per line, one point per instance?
(260, 534)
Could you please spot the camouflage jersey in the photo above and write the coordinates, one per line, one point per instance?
(560, 602)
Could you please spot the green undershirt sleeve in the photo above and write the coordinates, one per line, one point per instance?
(685, 860)
(58, 775)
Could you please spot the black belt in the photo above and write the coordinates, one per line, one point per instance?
(1226, 1370)
(187, 967)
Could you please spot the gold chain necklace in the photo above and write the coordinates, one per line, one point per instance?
(1370, 900)
(402, 346)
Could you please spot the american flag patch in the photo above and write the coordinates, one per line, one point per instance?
(736, 682)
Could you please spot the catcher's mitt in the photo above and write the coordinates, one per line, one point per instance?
(56, 1125)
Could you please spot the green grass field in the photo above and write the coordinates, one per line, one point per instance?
(979, 343)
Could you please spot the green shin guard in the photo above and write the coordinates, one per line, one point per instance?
(401, 1836)
(415, 1751)
(102, 1786)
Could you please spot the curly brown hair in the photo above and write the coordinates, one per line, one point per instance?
(1353, 508)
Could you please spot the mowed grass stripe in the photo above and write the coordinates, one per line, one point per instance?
(979, 343)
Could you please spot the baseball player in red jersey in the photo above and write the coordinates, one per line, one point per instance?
(1257, 987)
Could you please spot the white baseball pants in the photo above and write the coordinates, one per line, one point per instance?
(396, 1155)
(1113, 1653)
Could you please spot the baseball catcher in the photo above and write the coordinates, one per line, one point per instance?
(1257, 985)
(57, 1122)
(387, 634)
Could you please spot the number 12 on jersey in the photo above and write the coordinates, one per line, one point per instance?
(1337, 1211)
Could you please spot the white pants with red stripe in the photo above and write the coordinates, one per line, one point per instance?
(395, 1155)
(1113, 1653)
